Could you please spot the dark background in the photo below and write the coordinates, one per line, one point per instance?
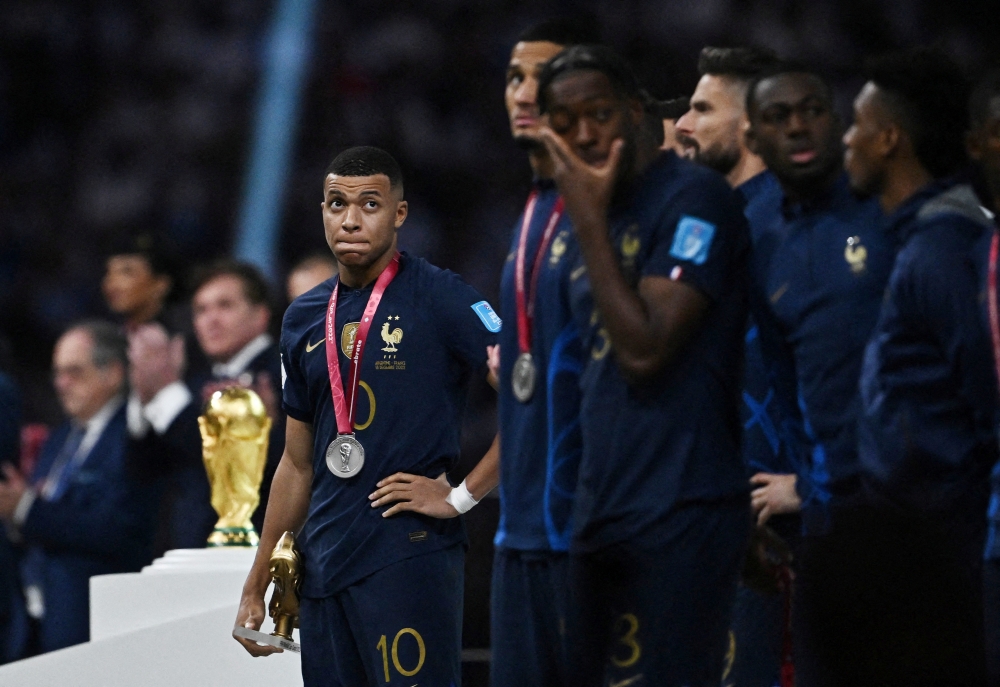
(125, 114)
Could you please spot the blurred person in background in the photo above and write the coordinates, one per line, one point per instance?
(82, 513)
(12, 615)
(661, 517)
(232, 314)
(670, 111)
(712, 133)
(540, 439)
(927, 433)
(821, 260)
(308, 273)
(139, 277)
(983, 145)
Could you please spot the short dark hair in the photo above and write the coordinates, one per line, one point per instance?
(366, 161)
(255, 286)
(987, 90)
(928, 96)
(742, 64)
(110, 342)
(155, 248)
(780, 68)
(577, 30)
(673, 108)
(597, 58)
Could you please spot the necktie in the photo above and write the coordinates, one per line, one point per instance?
(63, 466)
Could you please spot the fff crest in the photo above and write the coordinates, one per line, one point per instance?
(855, 254)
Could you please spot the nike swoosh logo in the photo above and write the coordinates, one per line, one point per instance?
(312, 347)
(627, 681)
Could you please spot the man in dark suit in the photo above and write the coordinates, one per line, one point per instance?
(232, 313)
(81, 513)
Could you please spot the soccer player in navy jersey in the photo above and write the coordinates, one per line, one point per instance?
(712, 133)
(821, 259)
(540, 441)
(927, 432)
(661, 514)
(376, 364)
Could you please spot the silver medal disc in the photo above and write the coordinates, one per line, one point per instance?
(345, 456)
(523, 379)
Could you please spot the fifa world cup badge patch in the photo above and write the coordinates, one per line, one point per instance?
(489, 318)
(692, 240)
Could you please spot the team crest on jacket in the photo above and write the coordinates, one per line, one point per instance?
(558, 248)
(855, 254)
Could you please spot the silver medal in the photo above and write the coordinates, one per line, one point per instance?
(345, 456)
(523, 379)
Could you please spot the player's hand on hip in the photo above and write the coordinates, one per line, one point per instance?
(414, 493)
(251, 615)
(774, 495)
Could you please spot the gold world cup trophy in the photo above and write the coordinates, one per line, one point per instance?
(235, 430)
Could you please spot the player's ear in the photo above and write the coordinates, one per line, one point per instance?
(402, 208)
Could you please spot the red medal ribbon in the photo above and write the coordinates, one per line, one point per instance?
(526, 302)
(991, 300)
(345, 409)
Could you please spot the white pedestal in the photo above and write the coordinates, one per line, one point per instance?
(168, 625)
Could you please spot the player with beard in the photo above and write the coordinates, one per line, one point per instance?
(660, 517)
(820, 265)
(929, 393)
(711, 132)
(539, 399)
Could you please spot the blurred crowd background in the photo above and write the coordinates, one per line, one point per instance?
(131, 117)
(122, 116)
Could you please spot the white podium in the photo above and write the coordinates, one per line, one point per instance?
(168, 625)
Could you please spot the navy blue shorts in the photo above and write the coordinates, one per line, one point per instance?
(397, 627)
(658, 615)
(528, 618)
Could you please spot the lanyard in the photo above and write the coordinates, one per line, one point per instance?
(526, 302)
(991, 300)
(345, 409)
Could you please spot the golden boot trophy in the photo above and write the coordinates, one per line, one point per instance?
(234, 434)
(285, 565)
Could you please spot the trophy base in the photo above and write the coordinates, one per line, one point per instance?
(271, 640)
(233, 536)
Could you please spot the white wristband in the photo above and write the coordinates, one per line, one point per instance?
(461, 498)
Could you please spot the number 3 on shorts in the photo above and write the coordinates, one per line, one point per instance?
(628, 625)
(383, 646)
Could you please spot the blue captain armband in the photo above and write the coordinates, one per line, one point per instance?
(489, 318)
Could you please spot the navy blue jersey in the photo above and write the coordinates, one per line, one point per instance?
(820, 270)
(764, 449)
(929, 386)
(430, 334)
(651, 448)
(540, 442)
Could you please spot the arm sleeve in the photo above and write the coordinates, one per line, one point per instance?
(294, 389)
(940, 292)
(702, 240)
(467, 321)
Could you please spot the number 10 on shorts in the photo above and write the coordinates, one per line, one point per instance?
(383, 646)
